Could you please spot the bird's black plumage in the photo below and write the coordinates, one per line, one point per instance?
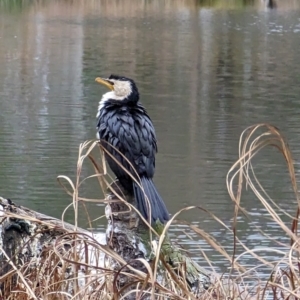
(126, 130)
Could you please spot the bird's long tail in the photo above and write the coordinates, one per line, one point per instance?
(158, 207)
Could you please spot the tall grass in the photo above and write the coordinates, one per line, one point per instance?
(75, 265)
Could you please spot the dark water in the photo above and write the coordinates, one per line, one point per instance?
(205, 73)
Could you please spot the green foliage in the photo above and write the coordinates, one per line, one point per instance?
(225, 3)
(13, 6)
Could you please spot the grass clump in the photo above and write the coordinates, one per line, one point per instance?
(74, 264)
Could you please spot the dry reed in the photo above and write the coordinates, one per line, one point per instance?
(77, 266)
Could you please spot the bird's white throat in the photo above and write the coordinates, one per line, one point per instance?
(107, 96)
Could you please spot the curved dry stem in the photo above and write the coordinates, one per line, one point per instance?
(249, 146)
(252, 141)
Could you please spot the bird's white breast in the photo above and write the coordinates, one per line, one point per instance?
(106, 97)
(102, 102)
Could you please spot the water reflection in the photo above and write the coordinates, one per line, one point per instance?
(205, 72)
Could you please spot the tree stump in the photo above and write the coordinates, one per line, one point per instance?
(131, 238)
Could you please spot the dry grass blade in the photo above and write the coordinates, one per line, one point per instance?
(28, 289)
(135, 178)
(253, 140)
(249, 146)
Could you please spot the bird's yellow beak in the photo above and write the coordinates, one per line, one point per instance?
(104, 82)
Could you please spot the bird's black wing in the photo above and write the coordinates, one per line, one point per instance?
(129, 130)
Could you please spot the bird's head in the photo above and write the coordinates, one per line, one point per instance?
(122, 88)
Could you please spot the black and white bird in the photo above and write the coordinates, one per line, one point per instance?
(125, 130)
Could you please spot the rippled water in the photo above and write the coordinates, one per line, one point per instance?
(205, 73)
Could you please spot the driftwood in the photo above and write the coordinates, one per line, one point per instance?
(25, 233)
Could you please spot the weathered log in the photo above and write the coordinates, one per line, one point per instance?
(24, 235)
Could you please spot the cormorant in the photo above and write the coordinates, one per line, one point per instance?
(124, 128)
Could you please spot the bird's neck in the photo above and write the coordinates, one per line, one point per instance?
(111, 99)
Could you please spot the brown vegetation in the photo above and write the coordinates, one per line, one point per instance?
(73, 264)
